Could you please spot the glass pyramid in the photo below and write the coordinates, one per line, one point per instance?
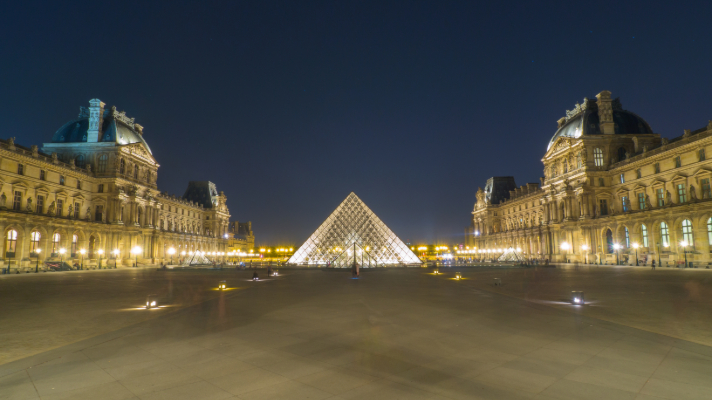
(353, 233)
(511, 254)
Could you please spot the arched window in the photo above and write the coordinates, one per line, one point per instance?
(55, 243)
(664, 234)
(709, 230)
(687, 232)
(627, 237)
(621, 153)
(644, 234)
(11, 243)
(101, 167)
(75, 243)
(122, 166)
(34, 242)
(598, 157)
(609, 241)
(79, 161)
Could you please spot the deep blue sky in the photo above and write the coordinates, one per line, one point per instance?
(289, 106)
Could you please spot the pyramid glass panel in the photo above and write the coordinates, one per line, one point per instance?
(353, 233)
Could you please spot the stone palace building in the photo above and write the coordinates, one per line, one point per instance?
(90, 194)
(611, 189)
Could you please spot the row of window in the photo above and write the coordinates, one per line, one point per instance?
(11, 243)
(43, 176)
(686, 230)
(681, 192)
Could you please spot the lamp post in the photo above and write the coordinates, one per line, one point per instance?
(101, 253)
(37, 254)
(616, 246)
(182, 254)
(635, 246)
(82, 252)
(565, 246)
(61, 256)
(684, 245)
(116, 257)
(584, 249)
(171, 251)
(659, 262)
(136, 251)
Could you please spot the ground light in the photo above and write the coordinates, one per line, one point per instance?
(275, 273)
(577, 298)
(458, 276)
(436, 272)
(222, 285)
(151, 301)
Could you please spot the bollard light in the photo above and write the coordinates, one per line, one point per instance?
(498, 281)
(577, 298)
(151, 301)
(222, 285)
(458, 276)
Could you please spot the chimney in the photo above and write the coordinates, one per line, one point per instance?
(605, 113)
(96, 119)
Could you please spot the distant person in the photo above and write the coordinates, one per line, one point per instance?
(269, 270)
(653, 265)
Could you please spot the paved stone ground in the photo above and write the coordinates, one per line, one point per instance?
(312, 334)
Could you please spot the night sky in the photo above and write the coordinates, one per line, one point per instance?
(290, 106)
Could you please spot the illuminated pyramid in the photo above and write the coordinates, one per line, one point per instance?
(354, 234)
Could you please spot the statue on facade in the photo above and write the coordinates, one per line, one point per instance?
(35, 150)
(55, 159)
(693, 193)
(88, 168)
(70, 211)
(29, 204)
(647, 202)
(3, 199)
(668, 198)
(11, 143)
(583, 154)
(627, 155)
(664, 141)
(88, 215)
(50, 209)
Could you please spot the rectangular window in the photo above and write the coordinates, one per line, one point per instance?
(42, 175)
(40, 204)
(638, 174)
(622, 179)
(678, 162)
(701, 154)
(17, 201)
(681, 194)
(656, 166)
(706, 192)
(598, 157)
(101, 188)
(76, 210)
(60, 206)
(61, 179)
(641, 201)
(99, 215)
(603, 206)
(644, 233)
(660, 195)
(79, 184)
(624, 203)
(600, 182)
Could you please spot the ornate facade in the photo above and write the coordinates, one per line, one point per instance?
(611, 189)
(92, 190)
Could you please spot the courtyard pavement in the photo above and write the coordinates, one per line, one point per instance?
(392, 334)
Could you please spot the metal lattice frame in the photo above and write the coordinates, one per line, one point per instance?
(353, 223)
(511, 254)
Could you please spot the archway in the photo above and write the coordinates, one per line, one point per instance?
(609, 241)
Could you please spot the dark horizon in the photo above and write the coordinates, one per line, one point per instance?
(289, 107)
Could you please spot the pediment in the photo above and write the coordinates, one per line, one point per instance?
(42, 189)
(639, 187)
(20, 185)
(678, 177)
(657, 182)
(702, 171)
(61, 192)
(561, 144)
(622, 191)
(140, 151)
(78, 196)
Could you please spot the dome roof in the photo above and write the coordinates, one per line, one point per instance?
(116, 127)
(584, 120)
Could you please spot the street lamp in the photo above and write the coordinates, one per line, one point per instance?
(82, 252)
(101, 253)
(116, 257)
(61, 255)
(37, 266)
(684, 245)
(635, 246)
(171, 251)
(565, 246)
(136, 251)
(584, 249)
(616, 246)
